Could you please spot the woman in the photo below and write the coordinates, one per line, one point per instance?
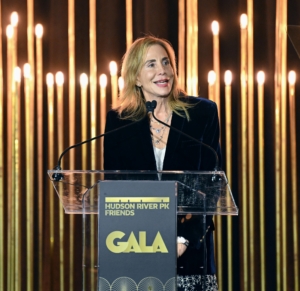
(149, 73)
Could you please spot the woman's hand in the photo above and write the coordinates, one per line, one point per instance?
(181, 248)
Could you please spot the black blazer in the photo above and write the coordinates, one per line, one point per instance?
(131, 149)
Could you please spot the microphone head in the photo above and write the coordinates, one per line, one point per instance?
(154, 103)
(150, 106)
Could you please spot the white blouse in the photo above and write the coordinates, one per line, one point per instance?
(159, 157)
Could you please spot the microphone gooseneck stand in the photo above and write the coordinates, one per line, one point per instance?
(58, 176)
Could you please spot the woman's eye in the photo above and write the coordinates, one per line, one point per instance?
(151, 65)
(166, 62)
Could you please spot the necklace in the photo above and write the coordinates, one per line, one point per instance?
(160, 131)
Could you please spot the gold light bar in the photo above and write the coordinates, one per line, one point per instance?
(59, 79)
(218, 218)
(72, 104)
(251, 165)
(16, 78)
(40, 146)
(211, 78)
(30, 143)
(29, 116)
(228, 124)
(1, 167)
(113, 68)
(50, 101)
(129, 33)
(243, 79)
(93, 97)
(284, 183)
(16, 175)
(93, 74)
(216, 63)
(103, 84)
(261, 164)
(280, 149)
(181, 44)
(192, 47)
(9, 34)
(293, 157)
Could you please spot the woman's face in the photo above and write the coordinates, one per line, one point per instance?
(157, 75)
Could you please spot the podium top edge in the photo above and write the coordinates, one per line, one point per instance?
(132, 172)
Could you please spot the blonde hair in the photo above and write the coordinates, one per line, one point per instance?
(131, 100)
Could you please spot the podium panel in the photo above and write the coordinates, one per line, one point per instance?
(137, 227)
(111, 242)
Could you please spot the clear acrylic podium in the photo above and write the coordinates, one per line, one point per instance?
(197, 193)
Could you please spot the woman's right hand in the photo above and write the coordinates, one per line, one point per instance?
(181, 248)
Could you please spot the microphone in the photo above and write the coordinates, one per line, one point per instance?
(57, 176)
(150, 108)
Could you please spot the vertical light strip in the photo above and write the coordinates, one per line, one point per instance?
(14, 177)
(14, 187)
(29, 164)
(113, 68)
(1, 166)
(129, 32)
(29, 175)
(9, 34)
(50, 100)
(277, 91)
(14, 19)
(251, 165)
(280, 179)
(16, 171)
(211, 78)
(72, 101)
(218, 218)
(284, 184)
(93, 97)
(228, 147)
(244, 23)
(83, 95)
(30, 36)
(40, 145)
(93, 70)
(103, 84)
(189, 36)
(181, 44)
(261, 164)
(195, 91)
(192, 47)
(294, 180)
(83, 108)
(59, 78)
(71, 44)
(216, 63)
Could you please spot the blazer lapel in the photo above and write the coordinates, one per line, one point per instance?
(177, 122)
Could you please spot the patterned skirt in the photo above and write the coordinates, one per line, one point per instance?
(197, 283)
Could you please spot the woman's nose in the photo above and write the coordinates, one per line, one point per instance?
(161, 69)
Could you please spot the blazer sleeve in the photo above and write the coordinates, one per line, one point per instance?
(206, 115)
(111, 151)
